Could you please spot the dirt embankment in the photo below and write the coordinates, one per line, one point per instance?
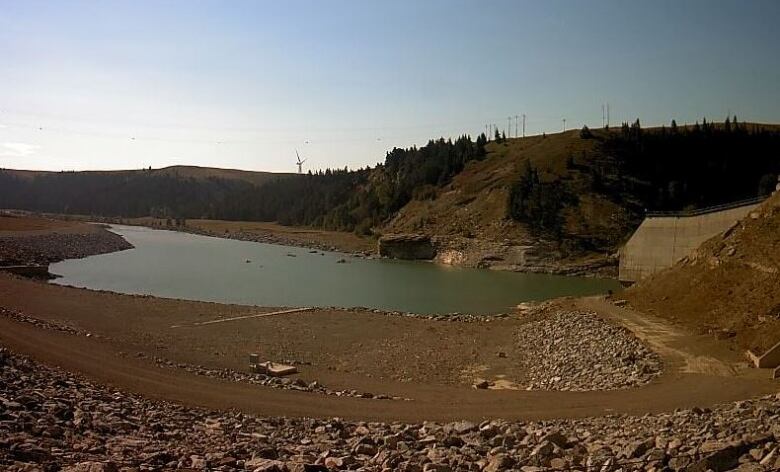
(33, 240)
(729, 287)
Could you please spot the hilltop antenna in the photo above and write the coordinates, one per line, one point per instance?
(300, 162)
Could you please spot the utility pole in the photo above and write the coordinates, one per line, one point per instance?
(564, 125)
(603, 116)
(607, 114)
(524, 125)
(509, 126)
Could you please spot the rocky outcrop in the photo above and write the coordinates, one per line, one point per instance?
(53, 420)
(406, 246)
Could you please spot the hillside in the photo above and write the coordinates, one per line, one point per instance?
(730, 286)
(471, 215)
(177, 191)
(567, 201)
(560, 203)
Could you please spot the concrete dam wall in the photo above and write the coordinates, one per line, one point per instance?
(663, 239)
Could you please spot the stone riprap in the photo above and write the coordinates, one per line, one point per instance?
(581, 352)
(53, 420)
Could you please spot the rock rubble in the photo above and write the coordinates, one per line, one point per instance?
(53, 247)
(581, 352)
(54, 420)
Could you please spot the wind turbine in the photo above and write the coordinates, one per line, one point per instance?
(300, 162)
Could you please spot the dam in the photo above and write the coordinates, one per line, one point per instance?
(664, 238)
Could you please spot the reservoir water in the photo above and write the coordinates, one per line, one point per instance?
(186, 266)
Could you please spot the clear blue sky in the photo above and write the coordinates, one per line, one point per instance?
(243, 84)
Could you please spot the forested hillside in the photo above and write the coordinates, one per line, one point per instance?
(357, 200)
(163, 192)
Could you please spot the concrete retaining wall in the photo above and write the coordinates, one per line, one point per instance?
(768, 360)
(660, 241)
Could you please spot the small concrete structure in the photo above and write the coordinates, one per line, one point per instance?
(270, 368)
(768, 360)
(664, 238)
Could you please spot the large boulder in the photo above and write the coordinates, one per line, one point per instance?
(406, 246)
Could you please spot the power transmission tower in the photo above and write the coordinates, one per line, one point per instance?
(524, 125)
(607, 114)
(509, 126)
(516, 119)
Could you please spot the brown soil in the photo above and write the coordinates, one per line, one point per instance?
(13, 225)
(362, 351)
(730, 287)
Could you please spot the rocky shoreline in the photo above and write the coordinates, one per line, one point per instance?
(55, 420)
(58, 246)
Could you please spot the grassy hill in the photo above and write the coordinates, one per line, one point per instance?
(471, 214)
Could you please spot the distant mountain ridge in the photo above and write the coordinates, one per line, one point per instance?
(197, 172)
(176, 191)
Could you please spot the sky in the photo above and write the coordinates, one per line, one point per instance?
(244, 84)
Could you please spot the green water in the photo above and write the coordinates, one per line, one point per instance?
(180, 265)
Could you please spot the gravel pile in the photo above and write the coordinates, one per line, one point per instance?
(582, 352)
(53, 247)
(54, 420)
